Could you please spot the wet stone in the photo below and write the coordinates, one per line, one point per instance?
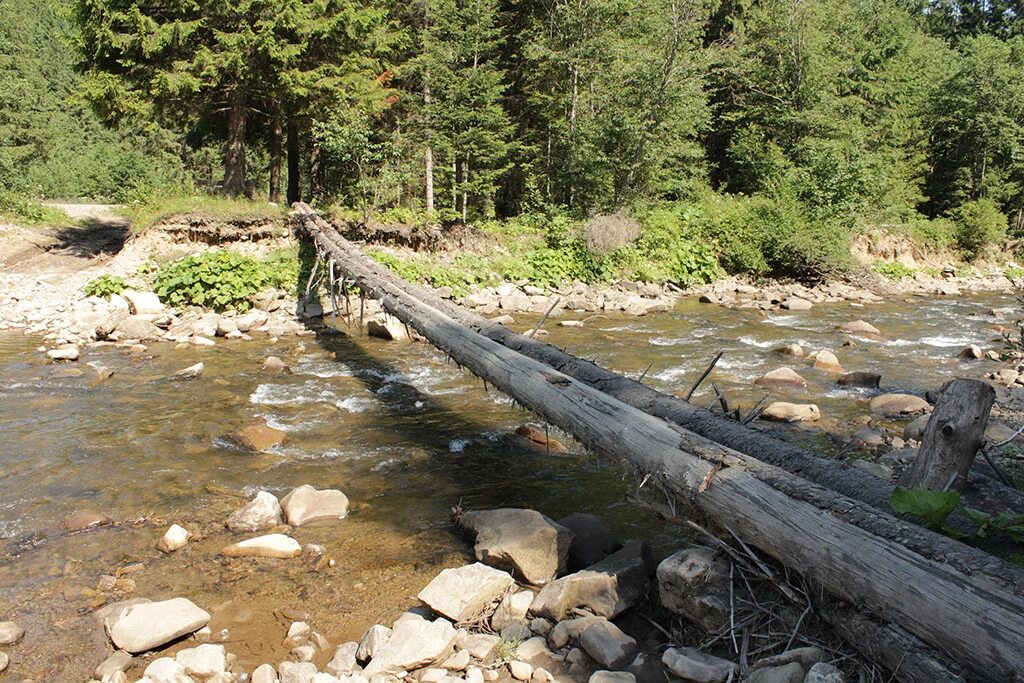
(10, 633)
(306, 504)
(145, 626)
(261, 513)
(85, 519)
(276, 546)
(118, 661)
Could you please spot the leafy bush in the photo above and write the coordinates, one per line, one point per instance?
(979, 224)
(894, 270)
(20, 209)
(937, 233)
(104, 285)
(223, 279)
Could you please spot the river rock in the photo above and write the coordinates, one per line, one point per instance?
(788, 673)
(142, 303)
(465, 593)
(306, 504)
(972, 352)
(612, 677)
(796, 304)
(608, 645)
(869, 380)
(914, 429)
(296, 672)
(140, 328)
(823, 672)
(373, 640)
(512, 610)
(607, 588)
(264, 673)
(85, 519)
(65, 353)
(790, 350)
(191, 372)
(271, 545)
(250, 320)
(257, 438)
(780, 411)
(859, 327)
(781, 377)
(387, 327)
(261, 513)
(175, 538)
(894, 405)
(165, 670)
(521, 671)
(10, 633)
(541, 438)
(412, 644)
(275, 366)
(827, 361)
(343, 663)
(691, 664)
(145, 626)
(205, 660)
(591, 540)
(694, 584)
(117, 661)
(522, 541)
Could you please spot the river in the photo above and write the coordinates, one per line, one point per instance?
(405, 435)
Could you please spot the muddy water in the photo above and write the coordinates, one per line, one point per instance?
(404, 434)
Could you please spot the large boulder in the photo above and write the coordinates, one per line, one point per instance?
(262, 512)
(781, 411)
(592, 541)
(869, 380)
(895, 405)
(466, 593)
(860, 327)
(525, 542)
(257, 438)
(693, 583)
(148, 625)
(306, 504)
(607, 588)
(139, 327)
(608, 645)
(827, 361)
(413, 644)
(781, 377)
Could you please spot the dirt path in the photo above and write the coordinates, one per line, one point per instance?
(97, 235)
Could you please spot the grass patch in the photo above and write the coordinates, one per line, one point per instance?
(144, 213)
(20, 210)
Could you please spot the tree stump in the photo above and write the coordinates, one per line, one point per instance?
(955, 432)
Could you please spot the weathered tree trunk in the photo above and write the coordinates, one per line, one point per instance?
(954, 598)
(428, 155)
(955, 432)
(316, 190)
(294, 191)
(234, 152)
(276, 153)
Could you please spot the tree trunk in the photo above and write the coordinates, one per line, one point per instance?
(276, 152)
(955, 432)
(463, 181)
(234, 153)
(294, 188)
(315, 179)
(971, 611)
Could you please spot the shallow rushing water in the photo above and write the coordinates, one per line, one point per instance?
(404, 434)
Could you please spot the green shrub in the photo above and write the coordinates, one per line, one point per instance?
(938, 233)
(104, 285)
(979, 224)
(20, 209)
(894, 270)
(223, 279)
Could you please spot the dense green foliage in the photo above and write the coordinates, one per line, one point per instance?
(765, 131)
(104, 286)
(223, 279)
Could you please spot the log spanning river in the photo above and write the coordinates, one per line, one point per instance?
(406, 436)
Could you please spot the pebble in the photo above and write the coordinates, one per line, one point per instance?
(276, 546)
(10, 633)
(521, 671)
(175, 538)
(117, 661)
(5, 661)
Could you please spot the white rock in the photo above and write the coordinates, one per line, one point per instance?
(373, 641)
(296, 672)
(463, 593)
(5, 661)
(144, 626)
(458, 661)
(298, 630)
(261, 513)
(68, 353)
(118, 661)
(175, 538)
(431, 675)
(474, 675)
(479, 645)
(264, 673)
(325, 678)
(513, 608)
(166, 670)
(306, 504)
(142, 303)
(386, 327)
(10, 633)
(205, 660)
(411, 645)
(191, 372)
(271, 545)
(612, 677)
(201, 341)
(521, 671)
(343, 663)
(304, 653)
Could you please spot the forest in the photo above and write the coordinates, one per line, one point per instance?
(771, 130)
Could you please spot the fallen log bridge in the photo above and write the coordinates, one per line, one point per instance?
(962, 602)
